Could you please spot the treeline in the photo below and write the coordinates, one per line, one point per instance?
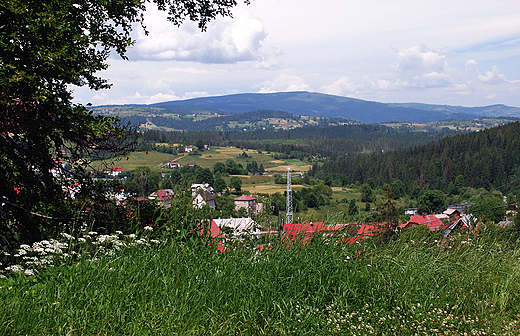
(303, 143)
(187, 123)
(488, 159)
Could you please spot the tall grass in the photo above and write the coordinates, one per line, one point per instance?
(417, 284)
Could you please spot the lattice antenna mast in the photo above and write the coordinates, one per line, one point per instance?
(289, 215)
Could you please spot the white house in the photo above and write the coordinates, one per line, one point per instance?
(204, 187)
(188, 149)
(202, 199)
(240, 226)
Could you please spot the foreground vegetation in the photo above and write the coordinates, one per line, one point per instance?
(415, 284)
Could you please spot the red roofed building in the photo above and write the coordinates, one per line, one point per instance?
(431, 221)
(304, 230)
(163, 196)
(248, 202)
(116, 171)
(213, 232)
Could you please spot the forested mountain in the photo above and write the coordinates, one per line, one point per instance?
(487, 159)
(317, 104)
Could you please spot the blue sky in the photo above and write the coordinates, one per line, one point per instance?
(439, 52)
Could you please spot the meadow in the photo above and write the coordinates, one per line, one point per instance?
(416, 284)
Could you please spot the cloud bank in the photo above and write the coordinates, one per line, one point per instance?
(225, 41)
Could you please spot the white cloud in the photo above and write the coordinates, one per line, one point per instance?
(268, 64)
(472, 68)
(422, 67)
(343, 86)
(285, 83)
(493, 77)
(225, 41)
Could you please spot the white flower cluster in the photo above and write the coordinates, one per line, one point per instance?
(49, 253)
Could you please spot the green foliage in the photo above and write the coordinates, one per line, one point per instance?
(199, 144)
(483, 159)
(46, 48)
(431, 201)
(367, 194)
(204, 175)
(219, 185)
(235, 183)
(489, 207)
(353, 209)
(143, 181)
(412, 286)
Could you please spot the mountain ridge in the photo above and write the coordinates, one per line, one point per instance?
(324, 105)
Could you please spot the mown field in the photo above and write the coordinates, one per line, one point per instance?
(207, 159)
(417, 284)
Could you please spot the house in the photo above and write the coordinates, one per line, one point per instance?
(201, 187)
(163, 196)
(240, 227)
(192, 164)
(410, 211)
(431, 221)
(175, 164)
(188, 149)
(211, 230)
(461, 208)
(247, 202)
(452, 213)
(116, 171)
(467, 221)
(202, 199)
(306, 231)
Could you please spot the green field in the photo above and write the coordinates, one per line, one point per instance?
(207, 159)
(152, 159)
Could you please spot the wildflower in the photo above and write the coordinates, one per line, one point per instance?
(148, 228)
(92, 233)
(119, 232)
(67, 236)
(29, 272)
(14, 268)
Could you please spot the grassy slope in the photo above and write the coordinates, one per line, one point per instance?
(413, 286)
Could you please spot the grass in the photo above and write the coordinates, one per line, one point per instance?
(152, 159)
(207, 159)
(415, 285)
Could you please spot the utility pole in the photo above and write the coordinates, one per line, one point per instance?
(289, 218)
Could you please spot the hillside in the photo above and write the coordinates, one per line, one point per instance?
(487, 159)
(317, 104)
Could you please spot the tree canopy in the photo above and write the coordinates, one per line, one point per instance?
(45, 140)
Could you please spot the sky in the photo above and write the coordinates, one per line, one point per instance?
(437, 52)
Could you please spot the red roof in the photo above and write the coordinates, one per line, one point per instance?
(304, 229)
(215, 234)
(116, 169)
(371, 229)
(164, 194)
(433, 222)
(245, 198)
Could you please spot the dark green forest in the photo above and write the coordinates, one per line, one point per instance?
(489, 159)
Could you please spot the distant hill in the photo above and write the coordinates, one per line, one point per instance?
(487, 159)
(318, 104)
